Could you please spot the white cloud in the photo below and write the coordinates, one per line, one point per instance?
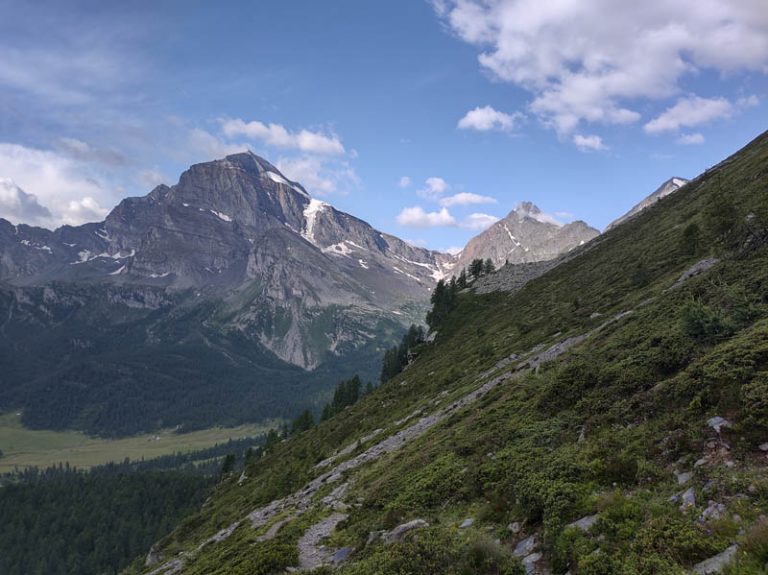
(318, 176)
(478, 221)
(589, 143)
(202, 146)
(278, 136)
(690, 112)
(691, 139)
(152, 178)
(417, 217)
(17, 206)
(68, 188)
(589, 61)
(434, 187)
(83, 210)
(466, 199)
(487, 118)
(405, 182)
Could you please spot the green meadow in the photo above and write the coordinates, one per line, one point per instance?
(22, 447)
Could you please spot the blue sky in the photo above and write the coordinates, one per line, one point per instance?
(427, 119)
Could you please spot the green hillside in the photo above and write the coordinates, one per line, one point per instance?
(592, 395)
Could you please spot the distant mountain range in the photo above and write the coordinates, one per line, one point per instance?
(233, 288)
(526, 235)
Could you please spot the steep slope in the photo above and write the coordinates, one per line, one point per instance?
(668, 187)
(233, 286)
(525, 235)
(604, 418)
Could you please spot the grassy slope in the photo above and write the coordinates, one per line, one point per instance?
(641, 390)
(23, 447)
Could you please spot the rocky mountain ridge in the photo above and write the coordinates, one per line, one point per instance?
(665, 189)
(525, 235)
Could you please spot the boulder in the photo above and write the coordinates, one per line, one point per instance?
(398, 532)
(526, 546)
(717, 563)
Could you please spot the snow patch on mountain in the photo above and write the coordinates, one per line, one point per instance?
(313, 208)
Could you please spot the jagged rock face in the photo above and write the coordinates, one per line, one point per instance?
(668, 187)
(526, 235)
(242, 233)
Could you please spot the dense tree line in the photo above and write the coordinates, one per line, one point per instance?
(397, 358)
(63, 521)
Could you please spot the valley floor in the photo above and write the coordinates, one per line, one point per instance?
(22, 447)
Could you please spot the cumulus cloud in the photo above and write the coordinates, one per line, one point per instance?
(318, 176)
(405, 182)
(71, 193)
(434, 187)
(690, 139)
(588, 61)
(83, 210)
(688, 113)
(466, 199)
(279, 136)
(478, 221)
(486, 119)
(589, 143)
(17, 206)
(417, 217)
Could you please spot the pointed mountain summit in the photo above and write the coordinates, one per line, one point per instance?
(525, 235)
(668, 187)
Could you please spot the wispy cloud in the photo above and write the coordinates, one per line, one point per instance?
(688, 113)
(278, 136)
(466, 199)
(434, 187)
(478, 221)
(691, 139)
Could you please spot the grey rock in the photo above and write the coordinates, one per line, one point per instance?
(153, 557)
(713, 511)
(514, 527)
(684, 477)
(718, 423)
(764, 446)
(696, 269)
(526, 546)
(688, 499)
(530, 561)
(717, 563)
(468, 522)
(585, 523)
(341, 555)
(398, 532)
